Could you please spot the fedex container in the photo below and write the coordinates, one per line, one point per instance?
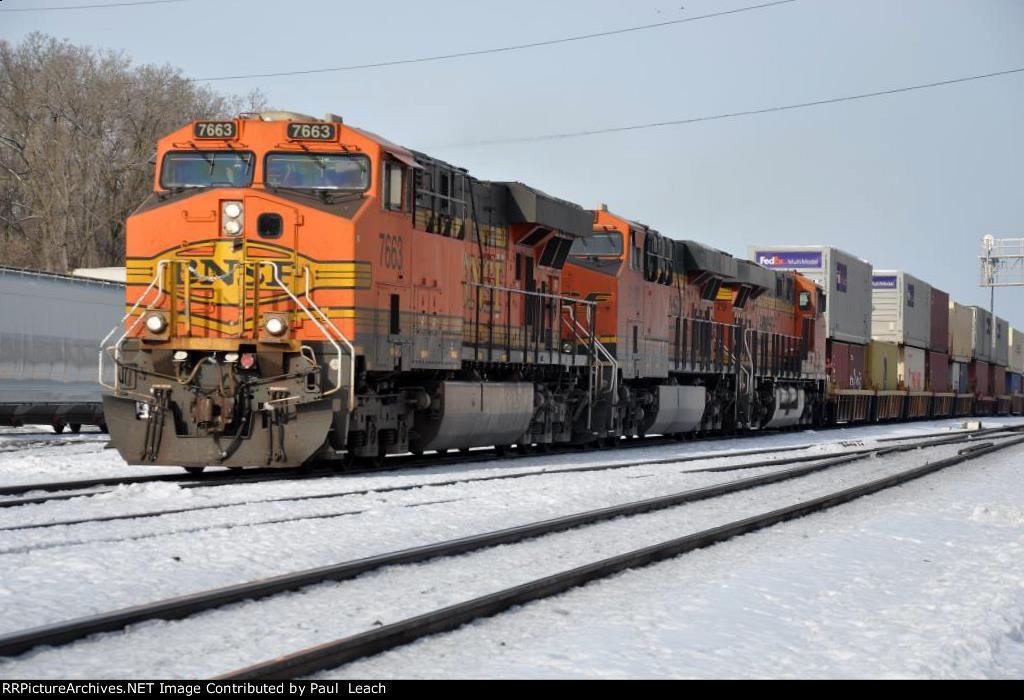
(938, 373)
(1016, 363)
(979, 375)
(883, 366)
(939, 322)
(911, 368)
(981, 335)
(1001, 346)
(848, 365)
(901, 309)
(959, 377)
(998, 380)
(845, 279)
(961, 333)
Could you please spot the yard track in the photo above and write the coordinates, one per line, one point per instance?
(185, 606)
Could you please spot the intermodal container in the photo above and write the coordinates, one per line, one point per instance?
(845, 279)
(959, 377)
(998, 380)
(912, 368)
(901, 308)
(1016, 363)
(883, 366)
(981, 335)
(979, 375)
(1015, 383)
(848, 363)
(1001, 346)
(961, 320)
(938, 373)
(940, 322)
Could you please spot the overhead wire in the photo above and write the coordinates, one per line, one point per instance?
(499, 49)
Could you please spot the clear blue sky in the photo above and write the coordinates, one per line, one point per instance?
(910, 181)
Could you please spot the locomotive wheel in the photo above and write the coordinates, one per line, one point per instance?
(58, 428)
(195, 470)
(76, 428)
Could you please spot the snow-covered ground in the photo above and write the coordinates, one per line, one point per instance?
(923, 581)
(667, 622)
(837, 587)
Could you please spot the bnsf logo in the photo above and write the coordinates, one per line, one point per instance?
(211, 272)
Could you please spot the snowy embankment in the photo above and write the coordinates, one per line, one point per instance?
(67, 571)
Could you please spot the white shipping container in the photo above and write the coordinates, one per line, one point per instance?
(911, 368)
(1001, 347)
(959, 377)
(845, 279)
(981, 334)
(901, 308)
(961, 320)
(1016, 351)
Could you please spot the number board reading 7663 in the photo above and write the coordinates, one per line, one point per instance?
(298, 131)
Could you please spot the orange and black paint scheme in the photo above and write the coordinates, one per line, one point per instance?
(302, 289)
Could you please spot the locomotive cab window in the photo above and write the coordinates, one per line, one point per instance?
(197, 169)
(394, 179)
(318, 171)
(805, 301)
(598, 245)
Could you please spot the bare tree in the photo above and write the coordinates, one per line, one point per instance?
(78, 129)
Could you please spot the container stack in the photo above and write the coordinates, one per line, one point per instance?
(937, 361)
(961, 351)
(902, 314)
(846, 281)
(1015, 377)
(980, 372)
(1000, 362)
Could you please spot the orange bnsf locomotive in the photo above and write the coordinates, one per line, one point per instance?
(299, 288)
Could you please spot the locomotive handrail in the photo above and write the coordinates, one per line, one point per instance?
(544, 295)
(599, 346)
(280, 283)
(158, 282)
(341, 337)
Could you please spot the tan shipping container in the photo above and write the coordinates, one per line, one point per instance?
(961, 329)
(1016, 351)
(883, 366)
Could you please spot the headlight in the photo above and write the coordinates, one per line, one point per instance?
(231, 218)
(156, 323)
(275, 326)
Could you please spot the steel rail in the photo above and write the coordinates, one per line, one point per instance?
(478, 458)
(229, 477)
(185, 606)
(376, 641)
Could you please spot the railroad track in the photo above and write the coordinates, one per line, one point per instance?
(946, 439)
(336, 653)
(187, 481)
(228, 478)
(185, 606)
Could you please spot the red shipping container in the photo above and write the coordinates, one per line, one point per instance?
(940, 321)
(847, 364)
(979, 374)
(998, 380)
(938, 373)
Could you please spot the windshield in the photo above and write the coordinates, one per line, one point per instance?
(321, 171)
(206, 169)
(603, 244)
